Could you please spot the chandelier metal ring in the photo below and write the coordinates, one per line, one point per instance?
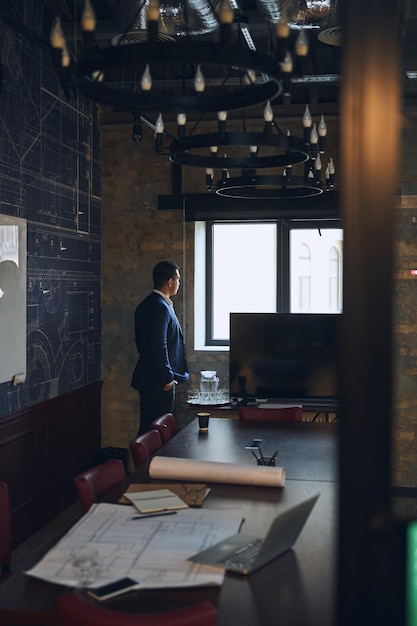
(295, 150)
(267, 187)
(232, 59)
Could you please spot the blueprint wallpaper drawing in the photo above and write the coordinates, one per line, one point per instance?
(50, 176)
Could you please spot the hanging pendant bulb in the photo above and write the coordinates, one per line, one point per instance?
(159, 126)
(301, 44)
(213, 150)
(287, 63)
(331, 172)
(57, 36)
(322, 134)
(88, 17)
(283, 28)
(314, 135)
(66, 58)
(307, 121)
(222, 117)
(181, 121)
(317, 167)
(159, 129)
(199, 82)
(268, 117)
(250, 77)
(153, 11)
(226, 13)
(146, 80)
(268, 113)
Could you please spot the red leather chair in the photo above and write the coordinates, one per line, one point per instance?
(166, 425)
(93, 484)
(285, 414)
(5, 530)
(144, 446)
(73, 610)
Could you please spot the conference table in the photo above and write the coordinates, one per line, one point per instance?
(297, 588)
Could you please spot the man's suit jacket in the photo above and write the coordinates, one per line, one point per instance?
(160, 344)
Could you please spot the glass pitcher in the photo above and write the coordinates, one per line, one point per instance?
(209, 382)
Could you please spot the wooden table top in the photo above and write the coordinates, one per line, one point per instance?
(298, 588)
(307, 450)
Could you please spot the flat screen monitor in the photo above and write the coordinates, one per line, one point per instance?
(284, 356)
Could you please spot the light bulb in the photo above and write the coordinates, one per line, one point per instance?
(98, 76)
(159, 126)
(88, 18)
(57, 36)
(213, 150)
(153, 11)
(327, 171)
(66, 59)
(287, 64)
(268, 114)
(199, 82)
(226, 14)
(317, 163)
(307, 120)
(283, 29)
(331, 166)
(322, 127)
(181, 119)
(210, 172)
(314, 135)
(146, 80)
(253, 149)
(301, 44)
(222, 116)
(250, 77)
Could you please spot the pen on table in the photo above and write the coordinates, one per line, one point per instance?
(146, 515)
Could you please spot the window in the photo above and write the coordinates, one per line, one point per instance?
(263, 267)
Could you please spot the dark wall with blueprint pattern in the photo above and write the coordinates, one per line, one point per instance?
(50, 176)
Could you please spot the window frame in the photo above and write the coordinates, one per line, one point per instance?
(284, 227)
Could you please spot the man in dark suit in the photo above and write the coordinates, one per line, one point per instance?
(159, 340)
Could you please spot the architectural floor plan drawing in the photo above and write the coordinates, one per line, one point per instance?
(50, 176)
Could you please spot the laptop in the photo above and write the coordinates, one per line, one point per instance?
(244, 554)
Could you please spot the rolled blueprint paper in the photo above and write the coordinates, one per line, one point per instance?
(214, 472)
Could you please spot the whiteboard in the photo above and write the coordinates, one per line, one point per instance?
(13, 233)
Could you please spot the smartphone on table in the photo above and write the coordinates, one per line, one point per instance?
(113, 589)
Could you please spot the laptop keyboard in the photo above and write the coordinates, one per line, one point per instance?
(243, 557)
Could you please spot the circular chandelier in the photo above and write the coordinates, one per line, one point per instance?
(181, 73)
(249, 151)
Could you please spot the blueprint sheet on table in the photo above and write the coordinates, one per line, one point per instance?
(152, 551)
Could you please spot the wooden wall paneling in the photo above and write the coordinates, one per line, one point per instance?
(42, 448)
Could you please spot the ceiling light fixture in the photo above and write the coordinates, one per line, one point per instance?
(128, 75)
(248, 152)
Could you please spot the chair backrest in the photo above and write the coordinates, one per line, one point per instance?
(94, 483)
(166, 425)
(144, 446)
(284, 414)
(73, 610)
(5, 529)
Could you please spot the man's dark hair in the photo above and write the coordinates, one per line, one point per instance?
(162, 272)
